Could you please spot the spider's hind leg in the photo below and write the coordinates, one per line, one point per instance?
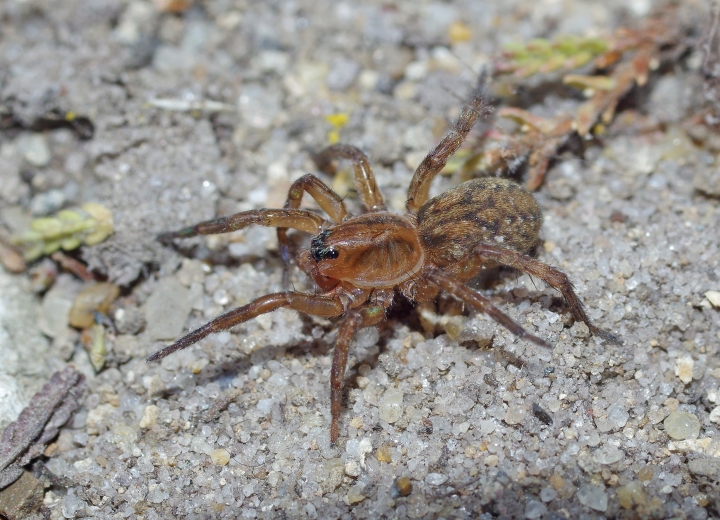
(550, 275)
(480, 303)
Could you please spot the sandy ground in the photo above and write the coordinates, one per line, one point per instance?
(217, 110)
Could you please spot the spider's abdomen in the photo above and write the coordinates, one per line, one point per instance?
(490, 210)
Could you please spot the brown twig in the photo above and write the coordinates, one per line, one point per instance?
(70, 264)
(25, 439)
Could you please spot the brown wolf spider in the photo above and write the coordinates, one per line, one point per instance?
(359, 262)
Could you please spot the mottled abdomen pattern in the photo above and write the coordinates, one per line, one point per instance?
(490, 210)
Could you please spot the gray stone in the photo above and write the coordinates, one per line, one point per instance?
(681, 425)
(167, 309)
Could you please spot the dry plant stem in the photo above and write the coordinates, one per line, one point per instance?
(541, 142)
(70, 264)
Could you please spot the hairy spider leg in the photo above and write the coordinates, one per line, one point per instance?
(327, 199)
(287, 218)
(355, 320)
(317, 304)
(480, 303)
(437, 159)
(365, 183)
(550, 275)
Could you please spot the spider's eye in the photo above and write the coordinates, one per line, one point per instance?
(330, 254)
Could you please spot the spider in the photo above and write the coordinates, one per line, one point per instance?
(359, 262)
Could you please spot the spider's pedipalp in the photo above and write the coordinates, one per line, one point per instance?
(327, 199)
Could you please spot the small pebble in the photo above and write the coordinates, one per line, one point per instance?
(715, 415)
(354, 494)
(47, 202)
(608, 454)
(402, 487)
(515, 415)
(548, 494)
(435, 479)
(150, 416)
(92, 299)
(459, 32)
(534, 509)
(342, 74)
(220, 457)
(129, 320)
(646, 473)
(682, 425)
(593, 496)
(714, 298)
(22, 498)
(618, 414)
(167, 310)
(34, 148)
(631, 494)
(259, 107)
(383, 454)
(191, 272)
(391, 405)
(56, 307)
(71, 504)
(684, 369)
(364, 447)
(709, 467)
(352, 469)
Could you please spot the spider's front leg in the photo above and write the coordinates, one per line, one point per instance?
(550, 275)
(436, 160)
(282, 218)
(317, 304)
(364, 177)
(355, 320)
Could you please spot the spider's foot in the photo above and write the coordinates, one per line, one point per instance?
(167, 238)
(607, 336)
(535, 339)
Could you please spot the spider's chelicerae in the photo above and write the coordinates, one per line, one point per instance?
(360, 262)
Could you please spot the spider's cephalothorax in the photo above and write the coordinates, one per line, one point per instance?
(359, 262)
